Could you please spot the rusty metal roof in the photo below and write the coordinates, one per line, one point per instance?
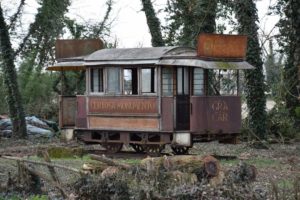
(172, 56)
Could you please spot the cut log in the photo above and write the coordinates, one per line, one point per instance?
(185, 163)
(109, 162)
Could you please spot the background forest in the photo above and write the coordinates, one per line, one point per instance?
(26, 88)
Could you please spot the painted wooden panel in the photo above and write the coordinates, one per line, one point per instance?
(123, 105)
(216, 114)
(222, 46)
(167, 113)
(67, 111)
(81, 118)
(129, 123)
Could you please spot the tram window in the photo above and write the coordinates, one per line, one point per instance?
(198, 82)
(97, 80)
(113, 80)
(148, 80)
(167, 81)
(130, 81)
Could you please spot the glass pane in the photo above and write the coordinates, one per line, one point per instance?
(100, 80)
(113, 80)
(95, 74)
(127, 81)
(167, 81)
(186, 80)
(198, 81)
(179, 81)
(146, 80)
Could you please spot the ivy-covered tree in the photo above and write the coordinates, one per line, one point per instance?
(153, 24)
(46, 28)
(246, 14)
(14, 99)
(289, 41)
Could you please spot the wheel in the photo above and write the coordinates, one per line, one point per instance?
(178, 150)
(153, 148)
(138, 148)
(113, 147)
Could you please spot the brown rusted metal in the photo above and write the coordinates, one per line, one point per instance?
(75, 48)
(212, 46)
(167, 113)
(67, 111)
(123, 123)
(81, 118)
(216, 114)
(123, 105)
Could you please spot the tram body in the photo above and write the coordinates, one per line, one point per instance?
(150, 97)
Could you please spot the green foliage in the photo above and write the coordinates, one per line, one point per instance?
(43, 32)
(246, 14)
(153, 24)
(186, 19)
(274, 68)
(285, 189)
(289, 41)
(36, 88)
(280, 123)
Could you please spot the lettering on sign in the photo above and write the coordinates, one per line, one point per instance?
(123, 106)
(219, 111)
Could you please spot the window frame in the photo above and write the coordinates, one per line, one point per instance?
(90, 81)
(154, 81)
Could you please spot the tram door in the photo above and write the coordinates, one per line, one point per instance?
(182, 99)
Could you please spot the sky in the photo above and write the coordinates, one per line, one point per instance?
(129, 25)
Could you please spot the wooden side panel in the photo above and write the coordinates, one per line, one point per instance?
(129, 123)
(167, 113)
(217, 114)
(67, 111)
(81, 118)
(222, 46)
(123, 105)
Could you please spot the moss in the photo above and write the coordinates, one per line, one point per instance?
(64, 152)
(226, 65)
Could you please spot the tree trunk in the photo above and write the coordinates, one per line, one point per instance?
(246, 14)
(153, 24)
(14, 100)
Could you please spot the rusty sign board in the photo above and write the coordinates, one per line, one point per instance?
(219, 46)
(216, 114)
(75, 48)
(123, 105)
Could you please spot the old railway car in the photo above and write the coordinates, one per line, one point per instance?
(150, 97)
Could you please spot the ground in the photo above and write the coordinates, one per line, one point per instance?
(279, 164)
